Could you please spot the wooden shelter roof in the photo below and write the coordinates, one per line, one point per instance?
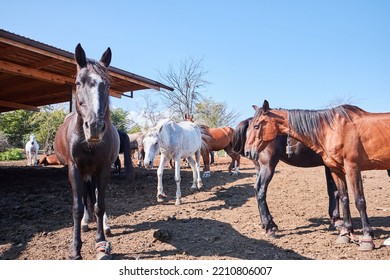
(34, 74)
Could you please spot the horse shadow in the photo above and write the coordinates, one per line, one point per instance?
(199, 237)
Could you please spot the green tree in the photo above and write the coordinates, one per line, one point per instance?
(16, 125)
(46, 123)
(215, 114)
(120, 120)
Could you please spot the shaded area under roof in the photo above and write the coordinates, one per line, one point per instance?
(34, 74)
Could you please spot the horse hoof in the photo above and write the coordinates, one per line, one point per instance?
(343, 239)
(102, 256)
(366, 244)
(84, 228)
(107, 231)
(178, 201)
(161, 197)
(75, 258)
(103, 249)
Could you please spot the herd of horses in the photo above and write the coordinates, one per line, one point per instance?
(345, 140)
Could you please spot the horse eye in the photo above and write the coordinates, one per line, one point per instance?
(256, 126)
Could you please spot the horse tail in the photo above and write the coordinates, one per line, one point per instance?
(206, 138)
(129, 168)
(239, 136)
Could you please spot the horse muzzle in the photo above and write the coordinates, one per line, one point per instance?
(94, 131)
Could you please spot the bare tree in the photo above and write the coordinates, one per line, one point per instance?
(188, 82)
(149, 112)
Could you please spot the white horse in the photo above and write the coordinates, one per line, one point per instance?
(31, 149)
(174, 141)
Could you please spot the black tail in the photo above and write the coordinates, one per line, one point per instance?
(239, 136)
(125, 149)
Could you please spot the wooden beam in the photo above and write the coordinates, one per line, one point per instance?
(36, 50)
(8, 50)
(115, 93)
(132, 80)
(14, 105)
(46, 62)
(34, 73)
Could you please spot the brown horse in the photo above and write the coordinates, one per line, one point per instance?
(348, 139)
(136, 144)
(220, 138)
(299, 156)
(88, 143)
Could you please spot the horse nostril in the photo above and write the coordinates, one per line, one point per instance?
(86, 124)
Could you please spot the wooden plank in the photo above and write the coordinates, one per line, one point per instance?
(46, 62)
(36, 50)
(34, 73)
(14, 105)
(135, 81)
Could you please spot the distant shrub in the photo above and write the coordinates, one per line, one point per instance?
(11, 154)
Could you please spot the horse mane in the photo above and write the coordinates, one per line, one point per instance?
(308, 122)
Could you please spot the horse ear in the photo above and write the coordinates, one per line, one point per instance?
(255, 107)
(265, 106)
(80, 57)
(106, 58)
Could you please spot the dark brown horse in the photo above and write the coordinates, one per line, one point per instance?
(265, 164)
(348, 139)
(124, 148)
(88, 144)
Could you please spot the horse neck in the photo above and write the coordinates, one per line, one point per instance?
(286, 129)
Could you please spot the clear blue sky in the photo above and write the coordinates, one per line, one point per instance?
(296, 54)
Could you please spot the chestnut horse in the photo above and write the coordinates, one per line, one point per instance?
(220, 138)
(88, 143)
(348, 139)
(299, 156)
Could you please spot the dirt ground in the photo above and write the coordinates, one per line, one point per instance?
(219, 222)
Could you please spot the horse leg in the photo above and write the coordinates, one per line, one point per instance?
(118, 166)
(195, 174)
(266, 172)
(160, 192)
(177, 180)
(197, 168)
(334, 204)
(346, 231)
(102, 246)
(78, 210)
(206, 163)
(354, 180)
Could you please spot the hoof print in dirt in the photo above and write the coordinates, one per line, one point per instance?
(162, 235)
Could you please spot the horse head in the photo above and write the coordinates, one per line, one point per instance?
(262, 130)
(151, 147)
(32, 139)
(92, 94)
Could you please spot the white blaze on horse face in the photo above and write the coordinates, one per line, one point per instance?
(94, 93)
